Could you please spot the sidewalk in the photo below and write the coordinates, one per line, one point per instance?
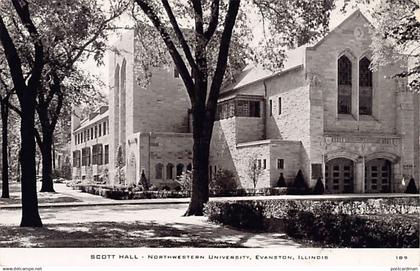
(87, 199)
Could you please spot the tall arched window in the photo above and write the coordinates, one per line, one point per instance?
(344, 85)
(189, 167)
(116, 104)
(170, 171)
(122, 102)
(159, 169)
(365, 87)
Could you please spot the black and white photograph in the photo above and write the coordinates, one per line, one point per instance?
(146, 132)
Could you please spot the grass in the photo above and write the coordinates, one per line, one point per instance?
(111, 234)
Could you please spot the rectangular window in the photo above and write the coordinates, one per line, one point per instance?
(86, 157)
(88, 136)
(96, 131)
(279, 105)
(106, 160)
(259, 163)
(97, 154)
(280, 163)
(100, 130)
(76, 159)
(264, 164)
(75, 139)
(254, 109)
(271, 108)
(104, 128)
(91, 133)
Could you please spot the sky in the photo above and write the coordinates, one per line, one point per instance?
(102, 71)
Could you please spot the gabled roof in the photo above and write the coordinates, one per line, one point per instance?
(251, 73)
(294, 58)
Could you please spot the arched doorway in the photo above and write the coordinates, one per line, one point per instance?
(378, 176)
(339, 176)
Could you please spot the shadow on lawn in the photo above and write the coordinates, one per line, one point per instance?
(112, 234)
(136, 234)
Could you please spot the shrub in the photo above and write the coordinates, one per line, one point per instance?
(391, 222)
(411, 187)
(281, 181)
(223, 180)
(319, 187)
(299, 187)
(185, 181)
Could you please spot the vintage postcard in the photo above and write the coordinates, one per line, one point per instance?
(210, 133)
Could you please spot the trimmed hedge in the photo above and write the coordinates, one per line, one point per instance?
(385, 222)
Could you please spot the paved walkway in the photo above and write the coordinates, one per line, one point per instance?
(87, 199)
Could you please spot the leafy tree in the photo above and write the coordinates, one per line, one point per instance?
(205, 58)
(43, 41)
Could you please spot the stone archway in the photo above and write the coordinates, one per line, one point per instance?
(132, 170)
(339, 176)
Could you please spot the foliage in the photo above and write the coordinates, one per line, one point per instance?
(281, 181)
(395, 37)
(185, 181)
(299, 186)
(223, 180)
(411, 187)
(217, 49)
(319, 187)
(343, 223)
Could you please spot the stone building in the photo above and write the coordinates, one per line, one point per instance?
(90, 145)
(327, 114)
(149, 124)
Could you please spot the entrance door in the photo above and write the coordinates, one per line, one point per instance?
(378, 176)
(339, 176)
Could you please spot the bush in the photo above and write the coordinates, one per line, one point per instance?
(319, 187)
(390, 222)
(281, 181)
(299, 187)
(245, 216)
(185, 181)
(223, 180)
(411, 187)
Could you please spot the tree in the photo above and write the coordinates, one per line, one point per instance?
(42, 41)
(254, 171)
(203, 55)
(281, 182)
(396, 36)
(26, 91)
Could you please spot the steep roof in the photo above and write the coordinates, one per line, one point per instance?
(294, 58)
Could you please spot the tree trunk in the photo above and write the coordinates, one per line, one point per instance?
(201, 149)
(5, 160)
(46, 151)
(30, 214)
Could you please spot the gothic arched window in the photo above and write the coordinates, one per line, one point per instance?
(365, 87)
(159, 169)
(344, 85)
(169, 171)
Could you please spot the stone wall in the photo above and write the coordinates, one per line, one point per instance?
(164, 148)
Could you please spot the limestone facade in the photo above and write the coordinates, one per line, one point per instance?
(326, 114)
